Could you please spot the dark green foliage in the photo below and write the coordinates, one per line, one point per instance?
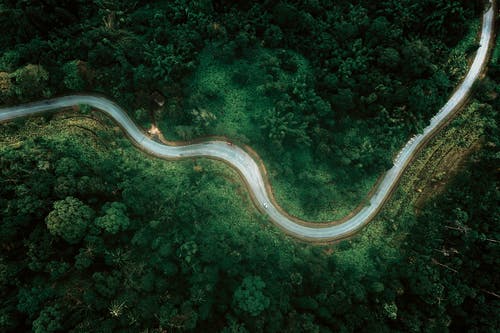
(164, 250)
(451, 272)
(249, 297)
(332, 62)
(69, 219)
(72, 78)
(114, 218)
(102, 239)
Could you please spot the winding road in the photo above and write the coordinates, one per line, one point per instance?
(248, 167)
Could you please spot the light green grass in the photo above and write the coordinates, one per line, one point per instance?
(458, 60)
(234, 105)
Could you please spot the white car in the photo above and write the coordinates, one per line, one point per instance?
(266, 205)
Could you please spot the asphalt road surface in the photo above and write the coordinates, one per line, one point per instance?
(249, 169)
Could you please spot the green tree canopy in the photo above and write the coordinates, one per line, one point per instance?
(249, 296)
(69, 219)
(114, 219)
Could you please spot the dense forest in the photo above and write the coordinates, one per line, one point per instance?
(325, 92)
(97, 237)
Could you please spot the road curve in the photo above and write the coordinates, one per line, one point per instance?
(249, 169)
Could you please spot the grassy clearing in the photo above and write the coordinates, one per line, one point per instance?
(230, 92)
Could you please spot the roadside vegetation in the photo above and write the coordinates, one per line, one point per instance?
(98, 237)
(326, 93)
